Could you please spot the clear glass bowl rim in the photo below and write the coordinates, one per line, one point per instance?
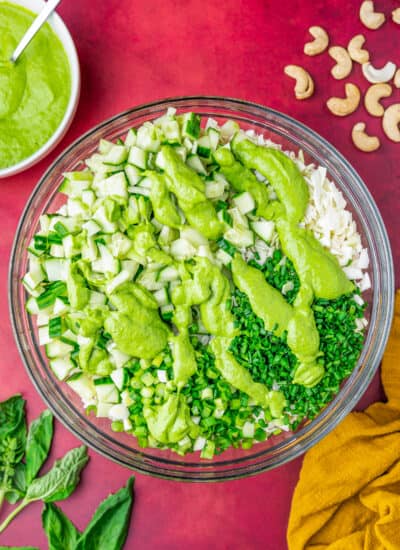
(336, 410)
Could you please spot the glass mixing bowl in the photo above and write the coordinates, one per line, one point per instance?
(233, 463)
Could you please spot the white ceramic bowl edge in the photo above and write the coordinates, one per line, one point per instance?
(65, 37)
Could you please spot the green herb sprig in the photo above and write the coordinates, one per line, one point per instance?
(22, 455)
(19, 479)
(107, 529)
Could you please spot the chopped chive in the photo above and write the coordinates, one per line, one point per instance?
(226, 246)
(61, 229)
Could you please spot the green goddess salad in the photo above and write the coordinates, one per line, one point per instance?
(200, 287)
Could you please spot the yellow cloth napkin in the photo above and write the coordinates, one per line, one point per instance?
(348, 494)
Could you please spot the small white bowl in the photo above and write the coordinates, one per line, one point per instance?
(63, 34)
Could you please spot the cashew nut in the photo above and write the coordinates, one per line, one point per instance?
(320, 43)
(355, 49)
(391, 122)
(384, 74)
(396, 79)
(374, 94)
(396, 15)
(343, 62)
(370, 18)
(343, 107)
(304, 87)
(363, 141)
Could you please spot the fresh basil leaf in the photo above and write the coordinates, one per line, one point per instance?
(38, 444)
(61, 480)
(12, 496)
(108, 528)
(9, 458)
(12, 415)
(18, 484)
(12, 443)
(60, 531)
(13, 426)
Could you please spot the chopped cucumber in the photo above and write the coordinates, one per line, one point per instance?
(138, 157)
(71, 244)
(101, 218)
(118, 412)
(105, 146)
(131, 138)
(191, 125)
(248, 429)
(229, 129)
(199, 444)
(120, 377)
(214, 137)
(103, 410)
(122, 277)
(62, 367)
(193, 236)
(204, 147)
(117, 154)
(264, 229)
(114, 186)
(57, 348)
(45, 221)
(171, 130)
(118, 357)
(149, 279)
(83, 386)
(167, 235)
(120, 245)
(169, 273)
(223, 257)
(60, 307)
(107, 263)
(57, 251)
(32, 306)
(242, 238)
(97, 299)
(91, 227)
(244, 202)
(77, 208)
(90, 251)
(106, 393)
(147, 138)
(56, 270)
(215, 189)
(130, 266)
(72, 186)
(44, 336)
(161, 296)
(133, 174)
(195, 163)
(182, 249)
(208, 450)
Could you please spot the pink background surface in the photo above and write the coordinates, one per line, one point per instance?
(135, 52)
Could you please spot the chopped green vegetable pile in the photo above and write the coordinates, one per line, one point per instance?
(270, 359)
(178, 293)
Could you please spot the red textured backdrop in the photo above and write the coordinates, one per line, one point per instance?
(135, 52)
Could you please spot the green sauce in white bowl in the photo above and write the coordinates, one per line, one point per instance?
(34, 92)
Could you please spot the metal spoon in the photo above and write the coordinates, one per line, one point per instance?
(34, 28)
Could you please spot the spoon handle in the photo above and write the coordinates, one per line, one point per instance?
(34, 28)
